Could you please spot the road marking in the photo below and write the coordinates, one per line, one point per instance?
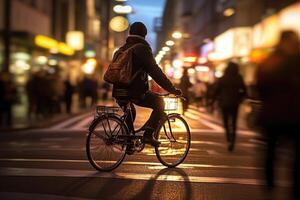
(193, 131)
(83, 123)
(69, 121)
(204, 121)
(19, 195)
(36, 172)
(186, 165)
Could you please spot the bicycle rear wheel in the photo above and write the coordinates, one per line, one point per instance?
(175, 138)
(105, 149)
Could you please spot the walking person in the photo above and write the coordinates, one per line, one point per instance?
(8, 92)
(278, 86)
(199, 91)
(69, 90)
(229, 92)
(184, 85)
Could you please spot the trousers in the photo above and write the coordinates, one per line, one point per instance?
(148, 100)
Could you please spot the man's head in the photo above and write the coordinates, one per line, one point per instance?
(138, 28)
(289, 42)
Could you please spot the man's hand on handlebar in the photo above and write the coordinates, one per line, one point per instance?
(177, 92)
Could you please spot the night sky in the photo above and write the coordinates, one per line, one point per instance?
(146, 11)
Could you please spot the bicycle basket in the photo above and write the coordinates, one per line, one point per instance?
(171, 103)
(100, 110)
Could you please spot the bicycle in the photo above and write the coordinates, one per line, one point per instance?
(109, 139)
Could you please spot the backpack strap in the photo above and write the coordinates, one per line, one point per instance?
(139, 70)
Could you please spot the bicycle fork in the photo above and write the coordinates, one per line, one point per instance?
(171, 137)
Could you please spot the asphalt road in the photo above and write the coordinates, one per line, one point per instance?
(51, 163)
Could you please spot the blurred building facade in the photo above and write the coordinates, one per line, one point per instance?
(53, 20)
(214, 32)
(66, 39)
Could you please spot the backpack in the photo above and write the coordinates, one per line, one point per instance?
(119, 72)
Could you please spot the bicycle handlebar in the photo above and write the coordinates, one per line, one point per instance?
(167, 94)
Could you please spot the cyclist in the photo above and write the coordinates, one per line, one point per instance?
(138, 91)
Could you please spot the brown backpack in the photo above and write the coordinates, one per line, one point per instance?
(119, 72)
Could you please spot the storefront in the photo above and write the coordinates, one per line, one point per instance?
(232, 45)
(33, 53)
(267, 32)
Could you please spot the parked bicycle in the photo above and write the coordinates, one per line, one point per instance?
(109, 138)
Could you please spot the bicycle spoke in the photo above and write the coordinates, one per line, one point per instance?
(175, 143)
(105, 151)
(104, 129)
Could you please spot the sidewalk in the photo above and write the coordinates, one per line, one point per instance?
(21, 121)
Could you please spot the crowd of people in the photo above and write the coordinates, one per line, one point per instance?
(48, 94)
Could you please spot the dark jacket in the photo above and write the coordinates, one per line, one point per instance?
(142, 59)
(230, 89)
(278, 84)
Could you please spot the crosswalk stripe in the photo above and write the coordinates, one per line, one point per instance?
(184, 165)
(181, 177)
(69, 122)
(80, 123)
(83, 123)
(203, 121)
(24, 196)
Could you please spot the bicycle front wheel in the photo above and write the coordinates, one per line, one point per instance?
(105, 148)
(175, 138)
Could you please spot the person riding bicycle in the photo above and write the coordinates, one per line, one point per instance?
(144, 64)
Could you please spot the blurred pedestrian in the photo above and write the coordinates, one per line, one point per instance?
(199, 91)
(229, 92)
(184, 85)
(8, 92)
(69, 90)
(209, 96)
(105, 91)
(90, 89)
(31, 95)
(42, 89)
(278, 86)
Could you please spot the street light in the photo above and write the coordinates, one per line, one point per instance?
(166, 49)
(161, 52)
(118, 24)
(228, 12)
(170, 43)
(123, 9)
(177, 35)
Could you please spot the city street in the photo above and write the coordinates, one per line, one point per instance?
(51, 163)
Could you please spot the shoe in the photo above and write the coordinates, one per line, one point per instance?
(148, 139)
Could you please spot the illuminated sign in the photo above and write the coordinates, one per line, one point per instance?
(289, 18)
(75, 39)
(65, 49)
(235, 42)
(53, 45)
(45, 42)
